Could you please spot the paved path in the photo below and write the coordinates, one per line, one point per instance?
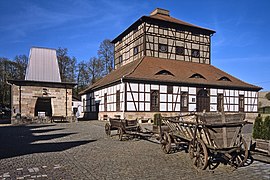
(82, 151)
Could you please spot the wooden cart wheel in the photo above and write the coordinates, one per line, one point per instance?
(191, 149)
(166, 142)
(241, 157)
(107, 129)
(120, 134)
(200, 159)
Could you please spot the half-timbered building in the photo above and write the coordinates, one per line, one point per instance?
(163, 65)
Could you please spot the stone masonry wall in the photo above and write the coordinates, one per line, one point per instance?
(30, 94)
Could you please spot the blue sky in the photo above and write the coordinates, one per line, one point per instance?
(240, 45)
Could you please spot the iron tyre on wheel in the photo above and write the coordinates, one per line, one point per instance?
(240, 156)
(200, 155)
(166, 142)
(120, 134)
(107, 129)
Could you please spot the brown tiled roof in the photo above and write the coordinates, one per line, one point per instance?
(114, 76)
(160, 17)
(146, 69)
(176, 21)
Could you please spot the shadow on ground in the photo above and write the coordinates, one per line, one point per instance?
(19, 140)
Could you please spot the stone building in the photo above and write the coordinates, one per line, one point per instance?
(163, 64)
(41, 93)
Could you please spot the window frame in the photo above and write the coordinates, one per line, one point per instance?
(182, 52)
(136, 50)
(105, 102)
(184, 101)
(197, 55)
(118, 100)
(161, 50)
(241, 105)
(220, 102)
(154, 103)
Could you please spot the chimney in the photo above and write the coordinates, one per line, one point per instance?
(160, 11)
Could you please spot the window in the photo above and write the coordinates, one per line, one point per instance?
(105, 102)
(164, 72)
(224, 78)
(84, 105)
(184, 101)
(195, 53)
(120, 59)
(135, 50)
(90, 103)
(241, 103)
(163, 48)
(154, 104)
(118, 100)
(179, 50)
(220, 103)
(169, 89)
(197, 75)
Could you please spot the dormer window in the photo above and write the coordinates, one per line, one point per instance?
(163, 48)
(197, 75)
(164, 72)
(195, 53)
(224, 78)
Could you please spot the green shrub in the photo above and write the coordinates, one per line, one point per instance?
(257, 128)
(266, 128)
(157, 119)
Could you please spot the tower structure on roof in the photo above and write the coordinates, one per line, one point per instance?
(163, 65)
(162, 36)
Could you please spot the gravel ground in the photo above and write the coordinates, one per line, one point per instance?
(82, 151)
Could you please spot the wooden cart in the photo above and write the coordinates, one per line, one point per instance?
(126, 128)
(209, 137)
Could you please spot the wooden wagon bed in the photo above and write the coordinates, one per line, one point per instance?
(211, 133)
(126, 128)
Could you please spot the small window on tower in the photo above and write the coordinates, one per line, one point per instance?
(195, 53)
(120, 59)
(179, 50)
(135, 50)
(163, 48)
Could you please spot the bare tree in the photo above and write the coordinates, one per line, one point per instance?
(67, 65)
(96, 69)
(83, 76)
(8, 70)
(106, 54)
(21, 61)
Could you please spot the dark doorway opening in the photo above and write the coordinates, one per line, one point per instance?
(43, 107)
(203, 101)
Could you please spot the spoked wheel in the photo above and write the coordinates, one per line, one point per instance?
(120, 133)
(166, 142)
(191, 149)
(241, 156)
(200, 154)
(107, 129)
